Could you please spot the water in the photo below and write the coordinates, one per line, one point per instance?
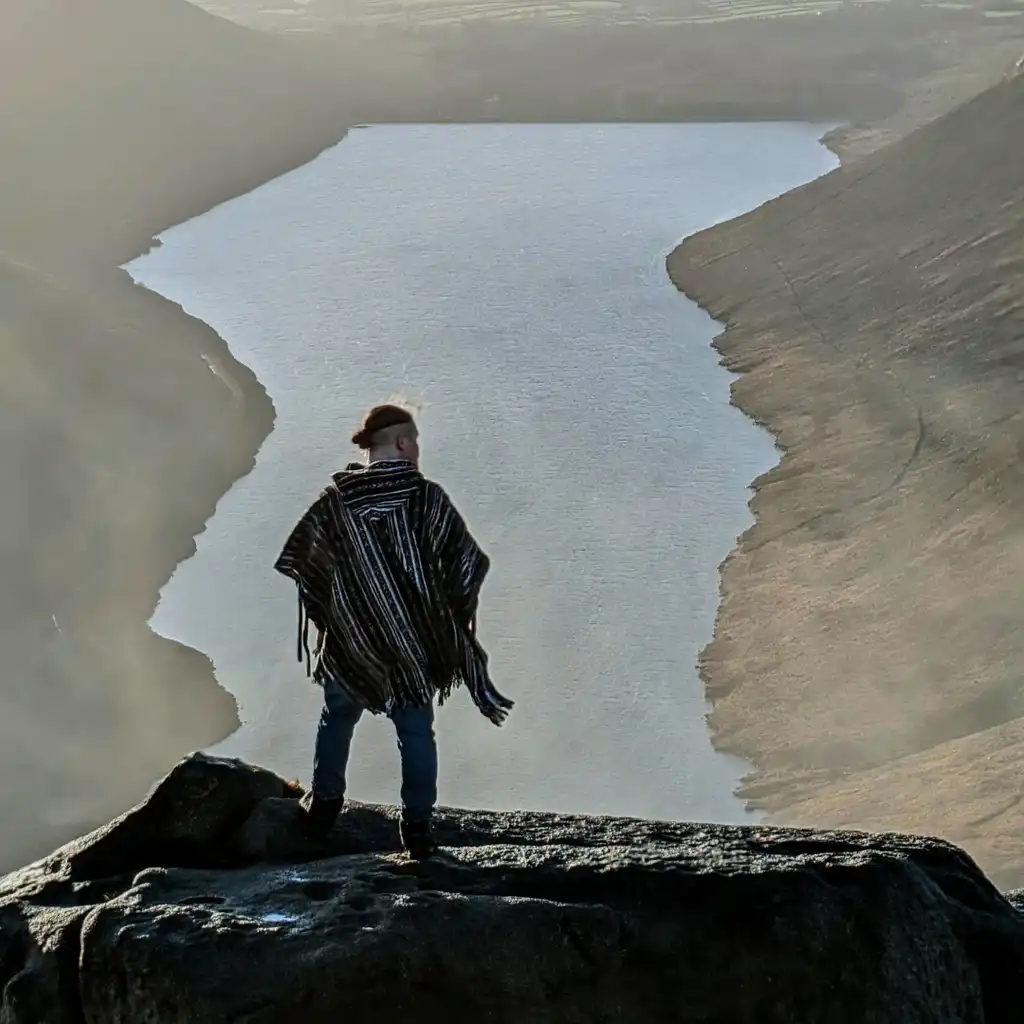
(512, 278)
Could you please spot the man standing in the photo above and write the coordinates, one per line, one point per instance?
(390, 577)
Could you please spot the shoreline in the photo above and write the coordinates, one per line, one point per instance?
(256, 406)
(832, 139)
(863, 649)
(820, 161)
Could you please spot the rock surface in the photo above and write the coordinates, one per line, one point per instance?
(204, 904)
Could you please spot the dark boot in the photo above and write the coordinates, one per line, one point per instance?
(417, 839)
(321, 816)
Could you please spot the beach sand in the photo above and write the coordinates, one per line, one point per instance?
(123, 117)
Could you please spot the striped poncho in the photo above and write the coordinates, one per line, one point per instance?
(388, 571)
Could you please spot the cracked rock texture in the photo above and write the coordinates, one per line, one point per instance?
(204, 904)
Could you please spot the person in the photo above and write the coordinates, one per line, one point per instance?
(390, 576)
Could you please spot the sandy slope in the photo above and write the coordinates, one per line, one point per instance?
(874, 610)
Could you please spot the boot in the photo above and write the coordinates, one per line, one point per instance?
(321, 816)
(417, 839)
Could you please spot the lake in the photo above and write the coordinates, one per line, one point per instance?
(511, 280)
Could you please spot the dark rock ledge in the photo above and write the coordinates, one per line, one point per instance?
(203, 905)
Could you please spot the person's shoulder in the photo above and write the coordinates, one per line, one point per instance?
(335, 487)
(352, 469)
(343, 478)
(437, 498)
(433, 489)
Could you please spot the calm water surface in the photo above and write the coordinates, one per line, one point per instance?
(512, 279)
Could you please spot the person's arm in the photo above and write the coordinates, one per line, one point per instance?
(461, 562)
(305, 559)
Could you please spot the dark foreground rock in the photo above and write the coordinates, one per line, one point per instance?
(204, 905)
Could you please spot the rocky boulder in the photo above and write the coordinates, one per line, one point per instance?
(204, 904)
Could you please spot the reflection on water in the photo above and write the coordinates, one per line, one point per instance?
(512, 278)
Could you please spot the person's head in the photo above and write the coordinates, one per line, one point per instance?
(389, 432)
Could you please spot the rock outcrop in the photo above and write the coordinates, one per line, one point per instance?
(204, 904)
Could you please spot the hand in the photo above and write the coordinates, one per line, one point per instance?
(498, 713)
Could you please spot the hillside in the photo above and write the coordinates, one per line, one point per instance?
(848, 61)
(873, 612)
(121, 117)
(113, 434)
(117, 439)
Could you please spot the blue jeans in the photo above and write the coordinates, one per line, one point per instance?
(416, 745)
